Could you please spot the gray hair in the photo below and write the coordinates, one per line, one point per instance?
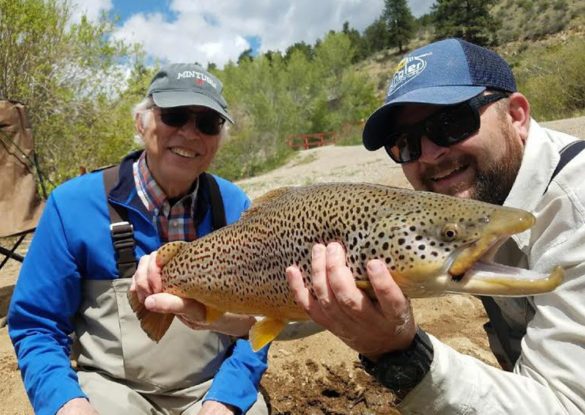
(141, 110)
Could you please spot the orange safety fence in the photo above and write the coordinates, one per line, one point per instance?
(312, 140)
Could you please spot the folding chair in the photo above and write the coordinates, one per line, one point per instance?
(20, 203)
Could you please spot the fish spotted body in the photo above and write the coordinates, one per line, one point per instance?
(431, 243)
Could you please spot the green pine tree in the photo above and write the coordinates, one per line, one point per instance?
(467, 19)
(375, 36)
(400, 22)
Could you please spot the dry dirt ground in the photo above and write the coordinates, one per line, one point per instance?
(317, 375)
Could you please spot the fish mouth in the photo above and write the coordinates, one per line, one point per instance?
(486, 278)
(503, 223)
(472, 271)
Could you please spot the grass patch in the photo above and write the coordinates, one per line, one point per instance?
(553, 79)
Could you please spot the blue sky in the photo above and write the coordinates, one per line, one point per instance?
(218, 31)
(126, 8)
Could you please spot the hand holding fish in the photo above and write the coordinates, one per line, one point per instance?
(146, 282)
(370, 327)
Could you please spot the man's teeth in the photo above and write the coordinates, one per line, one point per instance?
(443, 175)
(182, 152)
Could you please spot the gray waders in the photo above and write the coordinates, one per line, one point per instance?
(119, 367)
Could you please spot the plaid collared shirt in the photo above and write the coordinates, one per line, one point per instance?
(174, 222)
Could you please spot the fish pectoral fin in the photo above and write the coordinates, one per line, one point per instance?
(155, 325)
(366, 286)
(264, 331)
(166, 252)
(212, 314)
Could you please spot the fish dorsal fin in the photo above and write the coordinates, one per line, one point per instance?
(166, 252)
(265, 198)
(264, 331)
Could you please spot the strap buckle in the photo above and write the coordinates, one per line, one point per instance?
(121, 227)
(123, 240)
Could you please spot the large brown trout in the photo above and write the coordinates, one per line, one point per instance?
(432, 244)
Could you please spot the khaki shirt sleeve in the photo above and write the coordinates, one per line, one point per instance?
(460, 384)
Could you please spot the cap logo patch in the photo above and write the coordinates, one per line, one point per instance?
(408, 69)
(200, 78)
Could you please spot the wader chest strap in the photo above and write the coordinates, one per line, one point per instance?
(217, 209)
(567, 154)
(504, 341)
(122, 231)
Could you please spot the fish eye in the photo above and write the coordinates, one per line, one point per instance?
(450, 232)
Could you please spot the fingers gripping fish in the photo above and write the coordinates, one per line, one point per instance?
(432, 244)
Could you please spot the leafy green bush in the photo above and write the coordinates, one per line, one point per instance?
(553, 79)
(350, 135)
(534, 19)
(274, 98)
(69, 78)
(241, 157)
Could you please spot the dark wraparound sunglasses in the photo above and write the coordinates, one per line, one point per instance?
(208, 122)
(447, 126)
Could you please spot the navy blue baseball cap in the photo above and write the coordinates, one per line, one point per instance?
(186, 84)
(446, 72)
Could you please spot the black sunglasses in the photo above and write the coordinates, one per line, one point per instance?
(208, 122)
(448, 126)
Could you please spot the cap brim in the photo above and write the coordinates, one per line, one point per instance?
(168, 99)
(379, 125)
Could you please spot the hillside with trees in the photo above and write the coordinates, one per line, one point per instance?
(79, 87)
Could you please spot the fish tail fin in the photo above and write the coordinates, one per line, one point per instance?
(155, 325)
(166, 252)
(264, 331)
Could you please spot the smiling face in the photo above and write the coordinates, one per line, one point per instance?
(482, 167)
(176, 156)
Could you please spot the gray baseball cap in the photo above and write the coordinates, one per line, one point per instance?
(185, 84)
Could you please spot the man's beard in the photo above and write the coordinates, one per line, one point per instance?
(494, 180)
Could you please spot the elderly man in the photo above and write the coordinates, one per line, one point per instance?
(77, 272)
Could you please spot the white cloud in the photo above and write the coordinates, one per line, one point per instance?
(215, 31)
(92, 9)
